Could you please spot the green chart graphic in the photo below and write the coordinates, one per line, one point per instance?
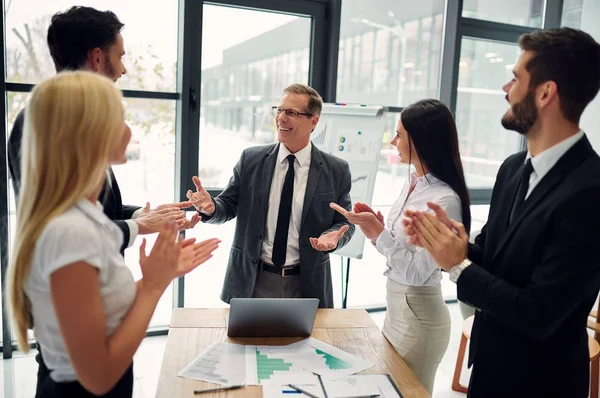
(332, 362)
(266, 367)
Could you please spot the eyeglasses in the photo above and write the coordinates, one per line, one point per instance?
(289, 112)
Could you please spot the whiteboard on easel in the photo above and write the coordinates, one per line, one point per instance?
(353, 133)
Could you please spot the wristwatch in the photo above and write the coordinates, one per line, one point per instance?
(458, 269)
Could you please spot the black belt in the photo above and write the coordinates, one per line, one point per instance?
(287, 270)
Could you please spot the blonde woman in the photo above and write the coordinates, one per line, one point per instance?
(67, 275)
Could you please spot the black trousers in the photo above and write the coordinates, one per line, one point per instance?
(48, 388)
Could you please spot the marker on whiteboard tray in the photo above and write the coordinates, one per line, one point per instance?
(340, 103)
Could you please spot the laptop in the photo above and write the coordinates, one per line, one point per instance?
(272, 317)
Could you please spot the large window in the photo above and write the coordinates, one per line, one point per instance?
(149, 175)
(515, 12)
(243, 74)
(484, 68)
(572, 10)
(151, 53)
(389, 51)
(584, 14)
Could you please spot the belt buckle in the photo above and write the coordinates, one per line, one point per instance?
(283, 269)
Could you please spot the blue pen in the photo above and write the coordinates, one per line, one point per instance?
(302, 391)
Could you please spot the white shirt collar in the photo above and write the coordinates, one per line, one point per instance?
(422, 181)
(302, 156)
(544, 161)
(94, 211)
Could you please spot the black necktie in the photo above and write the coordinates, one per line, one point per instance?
(283, 218)
(521, 191)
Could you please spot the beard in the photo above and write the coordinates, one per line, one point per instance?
(109, 69)
(524, 115)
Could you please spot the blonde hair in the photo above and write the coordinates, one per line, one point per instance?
(73, 123)
(315, 102)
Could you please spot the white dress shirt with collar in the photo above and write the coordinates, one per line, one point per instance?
(301, 168)
(544, 161)
(407, 264)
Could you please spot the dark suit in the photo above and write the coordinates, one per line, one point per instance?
(535, 281)
(247, 198)
(110, 197)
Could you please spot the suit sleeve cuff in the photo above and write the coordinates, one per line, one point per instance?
(468, 286)
(133, 231)
(135, 215)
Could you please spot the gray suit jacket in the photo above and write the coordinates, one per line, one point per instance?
(247, 198)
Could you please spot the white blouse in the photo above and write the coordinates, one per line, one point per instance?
(82, 233)
(408, 264)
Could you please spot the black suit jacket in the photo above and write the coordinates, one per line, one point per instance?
(535, 281)
(110, 197)
(247, 198)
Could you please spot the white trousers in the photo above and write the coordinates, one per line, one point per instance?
(417, 323)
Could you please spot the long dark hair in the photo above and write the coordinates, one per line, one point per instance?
(432, 131)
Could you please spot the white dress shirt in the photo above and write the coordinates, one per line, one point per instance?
(301, 167)
(82, 233)
(407, 264)
(544, 161)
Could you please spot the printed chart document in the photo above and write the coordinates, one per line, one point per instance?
(219, 363)
(326, 360)
(232, 364)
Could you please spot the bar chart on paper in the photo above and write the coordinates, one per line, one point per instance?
(326, 360)
(219, 364)
(274, 365)
(332, 362)
(266, 367)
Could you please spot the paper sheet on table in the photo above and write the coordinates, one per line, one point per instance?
(361, 385)
(351, 386)
(274, 365)
(219, 363)
(325, 359)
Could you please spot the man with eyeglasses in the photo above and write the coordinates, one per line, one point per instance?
(280, 195)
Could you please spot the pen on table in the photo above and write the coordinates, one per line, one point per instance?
(218, 389)
(303, 391)
(322, 386)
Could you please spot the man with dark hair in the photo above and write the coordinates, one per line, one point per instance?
(83, 32)
(533, 273)
(280, 195)
(85, 38)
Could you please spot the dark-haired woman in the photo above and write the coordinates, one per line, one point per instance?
(417, 321)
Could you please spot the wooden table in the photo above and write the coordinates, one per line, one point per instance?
(192, 330)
